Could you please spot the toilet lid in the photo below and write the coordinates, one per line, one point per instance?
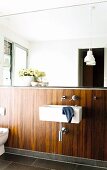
(3, 131)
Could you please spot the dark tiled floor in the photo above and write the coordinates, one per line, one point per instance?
(4, 164)
(18, 159)
(54, 165)
(17, 162)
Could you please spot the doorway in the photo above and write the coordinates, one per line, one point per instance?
(91, 76)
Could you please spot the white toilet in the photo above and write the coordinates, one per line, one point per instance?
(3, 138)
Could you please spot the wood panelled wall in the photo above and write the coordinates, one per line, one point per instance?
(87, 139)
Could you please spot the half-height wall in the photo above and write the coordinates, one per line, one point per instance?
(87, 139)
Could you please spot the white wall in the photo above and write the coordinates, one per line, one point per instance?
(59, 59)
(12, 36)
(105, 67)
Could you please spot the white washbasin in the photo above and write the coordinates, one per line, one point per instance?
(54, 113)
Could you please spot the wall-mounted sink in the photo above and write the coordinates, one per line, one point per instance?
(54, 113)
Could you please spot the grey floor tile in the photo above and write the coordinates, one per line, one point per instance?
(17, 158)
(17, 162)
(81, 167)
(54, 165)
(16, 166)
(4, 164)
(104, 164)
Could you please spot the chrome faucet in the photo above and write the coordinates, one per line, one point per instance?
(63, 98)
(74, 97)
(62, 131)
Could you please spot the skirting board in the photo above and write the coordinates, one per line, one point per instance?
(56, 157)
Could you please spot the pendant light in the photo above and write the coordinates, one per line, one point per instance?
(89, 59)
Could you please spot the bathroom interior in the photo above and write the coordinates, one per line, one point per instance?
(53, 36)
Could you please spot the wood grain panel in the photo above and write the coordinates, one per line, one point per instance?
(97, 125)
(105, 127)
(87, 139)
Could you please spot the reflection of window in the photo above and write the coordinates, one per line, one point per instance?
(13, 59)
(7, 63)
(7, 47)
(19, 62)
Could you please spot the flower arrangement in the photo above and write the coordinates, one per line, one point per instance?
(26, 72)
(38, 75)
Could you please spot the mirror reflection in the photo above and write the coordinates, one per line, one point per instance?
(56, 42)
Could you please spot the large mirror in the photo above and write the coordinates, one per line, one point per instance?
(56, 41)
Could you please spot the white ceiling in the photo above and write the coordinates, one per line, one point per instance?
(15, 6)
(62, 23)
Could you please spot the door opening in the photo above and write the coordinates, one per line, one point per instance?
(91, 76)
